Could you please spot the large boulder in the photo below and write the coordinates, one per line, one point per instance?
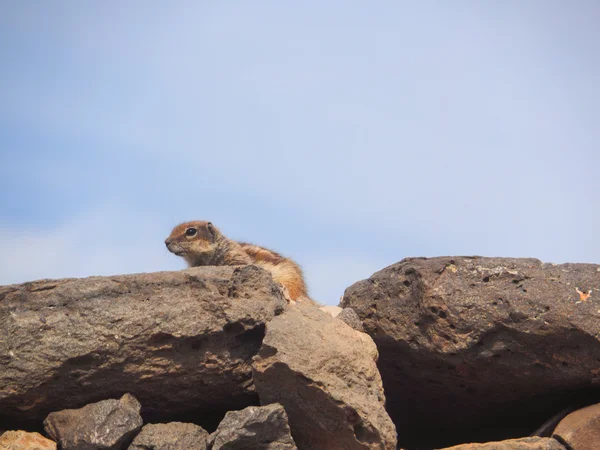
(106, 425)
(180, 342)
(324, 374)
(480, 349)
(254, 427)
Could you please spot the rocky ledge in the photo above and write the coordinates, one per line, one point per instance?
(480, 353)
(186, 347)
(481, 349)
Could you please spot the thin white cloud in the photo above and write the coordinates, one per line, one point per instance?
(104, 241)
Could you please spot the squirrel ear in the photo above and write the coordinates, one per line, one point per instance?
(211, 229)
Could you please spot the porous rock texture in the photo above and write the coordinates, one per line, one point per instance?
(350, 318)
(171, 436)
(254, 427)
(324, 373)
(481, 349)
(580, 430)
(22, 440)
(178, 341)
(109, 424)
(530, 443)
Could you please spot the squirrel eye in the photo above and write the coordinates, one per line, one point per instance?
(190, 232)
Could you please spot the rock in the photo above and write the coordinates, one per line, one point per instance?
(324, 374)
(547, 428)
(580, 430)
(255, 427)
(22, 440)
(530, 443)
(181, 342)
(350, 318)
(109, 424)
(171, 436)
(467, 343)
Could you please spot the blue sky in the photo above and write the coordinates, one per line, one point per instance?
(347, 135)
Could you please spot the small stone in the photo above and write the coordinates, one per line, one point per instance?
(22, 440)
(529, 443)
(580, 430)
(350, 318)
(255, 427)
(171, 436)
(109, 424)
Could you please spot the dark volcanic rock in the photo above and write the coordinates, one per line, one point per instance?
(22, 440)
(171, 436)
(530, 443)
(255, 427)
(179, 341)
(324, 374)
(109, 424)
(580, 430)
(480, 349)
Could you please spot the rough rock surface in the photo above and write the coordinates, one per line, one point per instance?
(255, 427)
(171, 436)
(324, 374)
(109, 424)
(531, 443)
(481, 342)
(350, 318)
(580, 430)
(22, 440)
(178, 341)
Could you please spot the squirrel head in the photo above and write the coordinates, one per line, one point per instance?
(193, 241)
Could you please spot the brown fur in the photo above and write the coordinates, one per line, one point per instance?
(208, 247)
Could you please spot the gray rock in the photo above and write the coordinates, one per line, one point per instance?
(324, 374)
(530, 443)
(350, 318)
(179, 341)
(467, 343)
(580, 430)
(255, 427)
(171, 436)
(109, 424)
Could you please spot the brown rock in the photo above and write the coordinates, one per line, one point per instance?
(171, 436)
(530, 443)
(580, 430)
(467, 343)
(324, 374)
(109, 424)
(255, 427)
(22, 440)
(178, 341)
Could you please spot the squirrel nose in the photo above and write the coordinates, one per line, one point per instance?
(167, 241)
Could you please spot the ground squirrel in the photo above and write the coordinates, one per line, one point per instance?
(202, 244)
